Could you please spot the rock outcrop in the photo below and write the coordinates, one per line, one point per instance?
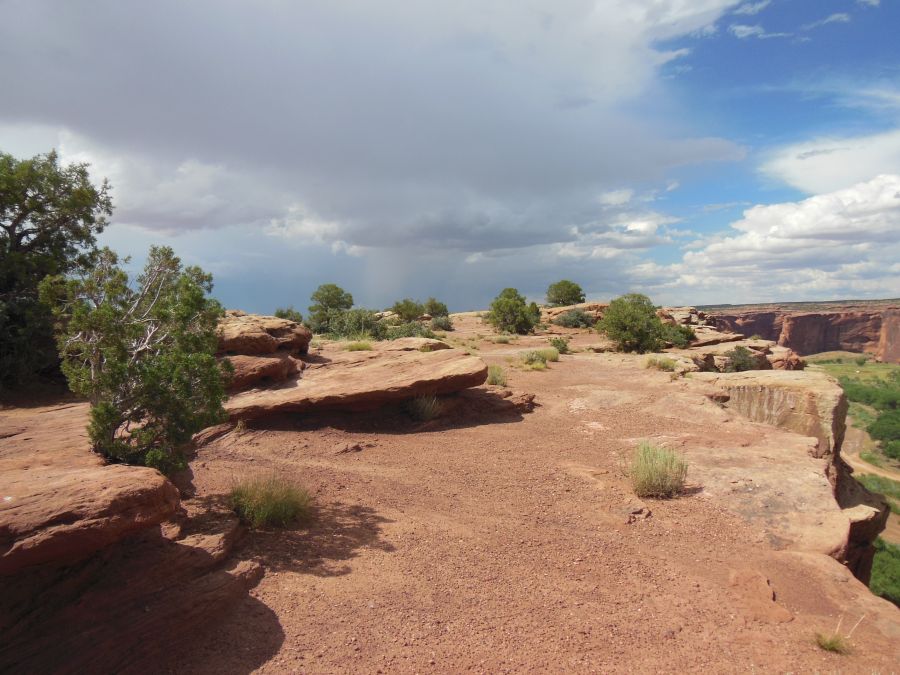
(95, 559)
(871, 331)
(811, 404)
(712, 353)
(364, 380)
(262, 349)
(59, 503)
(253, 334)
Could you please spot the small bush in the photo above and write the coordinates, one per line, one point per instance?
(657, 472)
(355, 323)
(435, 308)
(560, 344)
(409, 329)
(441, 323)
(496, 376)
(289, 313)
(574, 318)
(756, 336)
(358, 346)
(502, 339)
(861, 360)
(631, 322)
(739, 360)
(660, 363)
(679, 336)
(511, 314)
(269, 501)
(408, 309)
(424, 408)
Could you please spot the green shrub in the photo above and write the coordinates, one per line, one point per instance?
(329, 301)
(884, 486)
(631, 322)
(574, 318)
(408, 309)
(269, 501)
(833, 642)
(560, 344)
(756, 336)
(660, 363)
(861, 360)
(657, 472)
(289, 313)
(891, 449)
(886, 427)
(678, 336)
(424, 408)
(355, 323)
(409, 329)
(435, 308)
(511, 314)
(496, 375)
(886, 571)
(143, 355)
(441, 322)
(740, 359)
(564, 292)
(359, 346)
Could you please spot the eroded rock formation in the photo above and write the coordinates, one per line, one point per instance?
(811, 404)
(871, 331)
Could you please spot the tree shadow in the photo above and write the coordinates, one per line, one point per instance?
(333, 535)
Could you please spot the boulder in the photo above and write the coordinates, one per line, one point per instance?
(253, 334)
(59, 503)
(251, 371)
(411, 344)
(364, 380)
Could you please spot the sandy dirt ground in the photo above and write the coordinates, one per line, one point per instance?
(486, 543)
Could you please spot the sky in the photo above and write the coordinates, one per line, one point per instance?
(698, 151)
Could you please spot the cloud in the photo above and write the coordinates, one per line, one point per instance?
(838, 244)
(462, 126)
(839, 17)
(827, 164)
(752, 8)
(743, 32)
(869, 3)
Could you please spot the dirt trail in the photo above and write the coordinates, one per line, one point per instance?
(502, 544)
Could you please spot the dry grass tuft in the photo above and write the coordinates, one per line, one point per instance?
(424, 408)
(358, 346)
(660, 363)
(269, 501)
(657, 472)
(496, 375)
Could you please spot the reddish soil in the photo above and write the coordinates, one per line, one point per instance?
(499, 542)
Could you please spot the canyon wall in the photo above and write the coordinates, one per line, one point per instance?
(875, 332)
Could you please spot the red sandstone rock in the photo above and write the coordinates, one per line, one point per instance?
(250, 371)
(252, 334)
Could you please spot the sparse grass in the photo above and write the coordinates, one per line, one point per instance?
(657, 472)
(660, 363)
(240, 427)
(316, 343)
(424, 408)
(832, 642)
(886, 571)
(359, 346)
(550, 354)
(861, 414)
(536, 359)
(835, 641)
(269, 501)
(496, 376)
(884, 486)
(502, 339)
(560, 344)
(872, 458)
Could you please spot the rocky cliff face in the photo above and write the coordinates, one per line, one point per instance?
(874, 332)
(811, 404)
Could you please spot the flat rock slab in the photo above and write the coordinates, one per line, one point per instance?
(241, 333)
(364, 380)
